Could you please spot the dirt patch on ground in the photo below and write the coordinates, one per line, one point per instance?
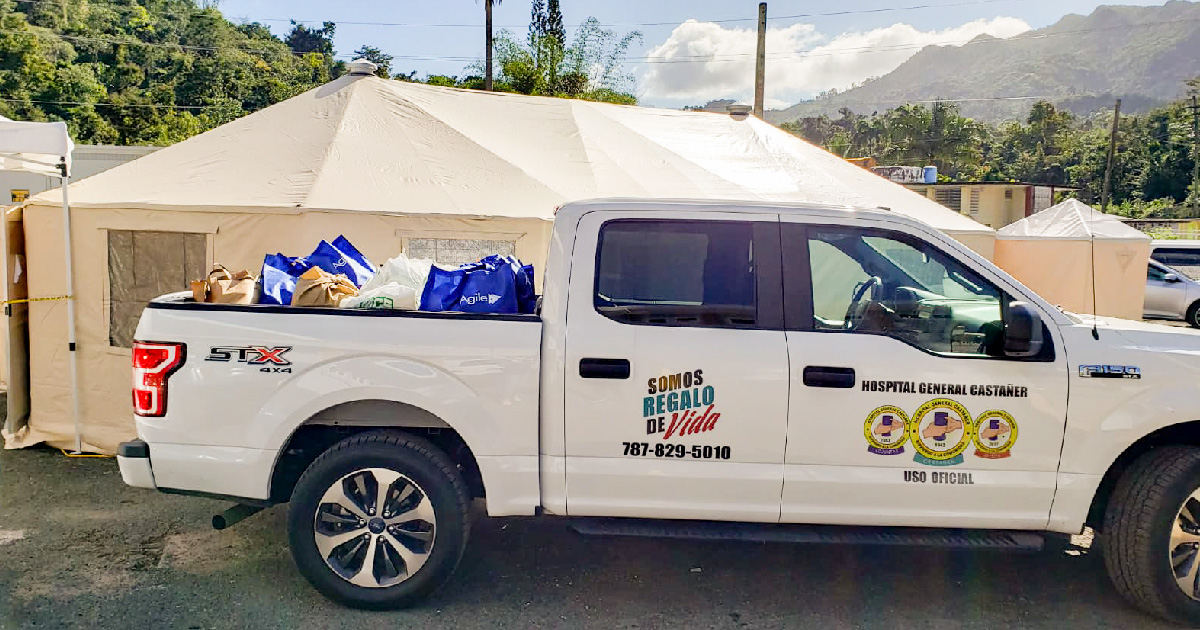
(209, 550)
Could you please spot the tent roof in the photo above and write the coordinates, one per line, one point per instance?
(1072, 220)
(34, 147)
(361, 143)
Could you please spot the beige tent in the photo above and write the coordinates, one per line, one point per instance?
(1052, 253)
(395, 167)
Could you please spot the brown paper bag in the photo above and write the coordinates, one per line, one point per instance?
(222, 287)
(237, 289)
(318, 287)
(199, 290)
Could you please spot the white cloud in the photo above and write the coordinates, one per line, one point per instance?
(703, 60)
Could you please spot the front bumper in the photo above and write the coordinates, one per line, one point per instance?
(134, 460)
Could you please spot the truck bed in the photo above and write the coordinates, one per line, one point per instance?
(253, 374)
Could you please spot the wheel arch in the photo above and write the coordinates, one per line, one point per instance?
(1181, 434)
(1189, 313)
(334, 423)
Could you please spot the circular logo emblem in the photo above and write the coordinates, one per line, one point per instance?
(886, 430)
(940, 430)
(995, 434)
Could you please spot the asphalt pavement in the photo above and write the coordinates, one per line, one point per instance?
(79, 549)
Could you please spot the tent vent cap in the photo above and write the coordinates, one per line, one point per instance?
(739, 111)
(361, 67)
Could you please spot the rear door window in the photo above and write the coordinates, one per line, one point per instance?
(678, 273)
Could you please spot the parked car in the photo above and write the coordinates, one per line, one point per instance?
(1171, 295)
(1181, 255)
(747, 371)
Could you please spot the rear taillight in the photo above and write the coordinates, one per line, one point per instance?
(153, 363)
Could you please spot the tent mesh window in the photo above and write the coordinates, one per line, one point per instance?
(456, 251)
(143, 265)
(949, 197)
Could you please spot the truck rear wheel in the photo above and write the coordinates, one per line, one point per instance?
(379, 521)
(1152, 534)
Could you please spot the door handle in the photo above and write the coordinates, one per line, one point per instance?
(604, 368)
(835, 377)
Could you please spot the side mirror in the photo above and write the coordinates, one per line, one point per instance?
(1171, 278)
(1022, 331)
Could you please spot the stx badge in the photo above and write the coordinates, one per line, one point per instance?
(270, 357)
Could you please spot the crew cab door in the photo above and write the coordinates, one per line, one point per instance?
(677, 368)
(904, 408)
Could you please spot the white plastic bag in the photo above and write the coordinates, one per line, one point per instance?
(398, 284)
(402, 270)
(389, 296)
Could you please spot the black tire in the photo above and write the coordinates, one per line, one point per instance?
(1193, 315)
(1137, 529)
(415, 459)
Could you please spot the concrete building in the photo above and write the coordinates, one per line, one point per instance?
(88, 159)
(994, 204)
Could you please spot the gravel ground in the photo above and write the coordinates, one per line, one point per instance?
(79, 549)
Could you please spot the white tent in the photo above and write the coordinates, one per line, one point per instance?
(390, 164)
(1059, 252)
(44, 148)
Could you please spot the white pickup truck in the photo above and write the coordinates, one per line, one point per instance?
(717, 370)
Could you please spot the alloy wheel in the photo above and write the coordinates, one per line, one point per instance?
(1184, 549)
(374, 527)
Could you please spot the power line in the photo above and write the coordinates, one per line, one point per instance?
(842, 51)
(916, 7)
(144, 105)
(725, 58)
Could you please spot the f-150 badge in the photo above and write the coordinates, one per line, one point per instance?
(1110, 371)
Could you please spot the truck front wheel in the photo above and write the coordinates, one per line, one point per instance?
(379, 520)
(1152, 534)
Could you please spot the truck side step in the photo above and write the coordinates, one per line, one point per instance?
(812, 534)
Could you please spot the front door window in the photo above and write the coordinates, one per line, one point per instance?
(887, 284)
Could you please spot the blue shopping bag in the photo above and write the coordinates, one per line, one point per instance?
(526, 298)
(486, 286)
(340, 257)
(279, 275)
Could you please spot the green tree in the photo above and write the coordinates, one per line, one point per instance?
(377, 57)
(589, 68)
(303, 39)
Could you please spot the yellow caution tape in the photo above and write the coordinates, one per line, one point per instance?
(45, 299)
(71, 454)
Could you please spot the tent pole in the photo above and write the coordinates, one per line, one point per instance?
(71, 310)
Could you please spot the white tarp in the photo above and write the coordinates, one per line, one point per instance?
(364, 143)
(34, 147)
(1065, 252)
(1072, 219)
(43, 148)
(385, 162)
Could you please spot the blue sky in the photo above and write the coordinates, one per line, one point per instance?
(807, 54)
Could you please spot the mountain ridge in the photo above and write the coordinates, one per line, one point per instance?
(1142, 55)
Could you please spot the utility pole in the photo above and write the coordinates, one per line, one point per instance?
(760, 72)
(487, 72)
(1195, 156)
(1112, 149)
